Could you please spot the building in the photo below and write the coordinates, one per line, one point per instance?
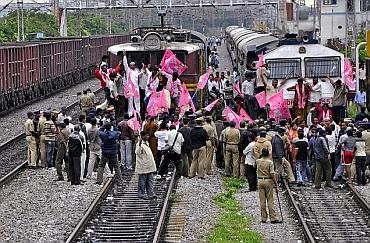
(343, 19)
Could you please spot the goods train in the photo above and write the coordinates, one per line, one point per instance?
(148, 45)
(287, 57)
(31, 70)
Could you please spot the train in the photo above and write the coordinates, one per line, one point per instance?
(287, 57)
(34, 69)
(148, 44)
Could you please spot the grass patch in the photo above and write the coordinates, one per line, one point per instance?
(232, 225)
(175, 197)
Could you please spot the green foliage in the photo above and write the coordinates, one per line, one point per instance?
(352, 111)
(233, 225)
(45, 22)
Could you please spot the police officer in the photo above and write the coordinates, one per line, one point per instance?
(31, 140)
(266, 182)
(86, 103)
(42, 145)
(232, 140)
(210, 144)
(62, 144)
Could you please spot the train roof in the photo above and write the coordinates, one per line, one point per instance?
(230, 28)
(295, 51)
(174, 46)
(254, 41)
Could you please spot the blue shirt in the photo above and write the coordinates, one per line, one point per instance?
(360, 98)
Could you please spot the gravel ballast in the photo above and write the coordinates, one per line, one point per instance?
(364, 191)
(34, 208)
(201, 213)
(13, 123)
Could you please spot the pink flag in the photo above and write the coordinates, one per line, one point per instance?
(167, 54)
(260, 61)
(261, 99)
(152, 107)
(279, 107)
(185, 101)
(130, 89)
(133, 123)
(232, 116)
(204, 78)
(172, 64)
(237, 89)
(244, 116)
(162, 101)
(210, 106)
(348, 75)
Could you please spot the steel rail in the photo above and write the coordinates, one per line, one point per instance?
(306, 229)
(162, 218)
(365, 205)
(94, 206)
(12, 173)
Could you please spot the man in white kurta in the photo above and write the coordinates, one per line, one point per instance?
(133, 103)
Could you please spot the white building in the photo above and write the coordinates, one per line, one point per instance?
(336, 15)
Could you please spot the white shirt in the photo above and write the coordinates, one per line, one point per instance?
(262, 74)
(362, 73)
(248, 87)
(134, 73)
(112, 88)
(360, 148)
(179, 140)
(212, 84)
(162, 137)
(316, 93)
(250, 157)
(331, 142)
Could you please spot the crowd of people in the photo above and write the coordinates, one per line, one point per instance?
(317, 144)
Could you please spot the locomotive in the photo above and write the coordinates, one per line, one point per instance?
(148, 45)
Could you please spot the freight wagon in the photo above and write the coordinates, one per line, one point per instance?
(31, 70)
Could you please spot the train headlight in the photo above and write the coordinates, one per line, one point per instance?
(168, 38)
(135, 38)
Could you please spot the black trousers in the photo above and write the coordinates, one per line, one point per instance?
(360, 170)
(75, 169)
(168, 158)
(251, 173)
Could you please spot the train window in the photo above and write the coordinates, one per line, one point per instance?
(284, 68)
(322, 67)
(181, 56)
(330, 2)
(138, 57)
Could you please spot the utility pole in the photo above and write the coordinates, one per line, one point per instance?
(20, 21)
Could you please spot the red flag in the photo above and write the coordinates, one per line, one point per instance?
(260, 61)
(348, 74)
(130, 89)
(232, 116)
(210, 106)
(204, 78)
(244, 116)
(167, 54)
(172, 64)
(261, 99)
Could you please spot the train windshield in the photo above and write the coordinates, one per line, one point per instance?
(284, 68)
(322, 67)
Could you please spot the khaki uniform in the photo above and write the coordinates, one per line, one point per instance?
(260, 144)
(92, 97)
(209, 147)
(31, 142)
(86, 104)
(62, 140)
(232, 139)
(42, 147)
(265, 172)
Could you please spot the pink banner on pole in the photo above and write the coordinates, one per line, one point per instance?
(167, 54)
(237, 88)
(261, 99)
(172, 64)
(133, 123)
(244, 116)
(152, 107)
(261, 61)
(232, 116)
(185, 101)
(204, 78)
(163, 101)
(279, 108)
(130, 89)
(210, 106)
(348, 75)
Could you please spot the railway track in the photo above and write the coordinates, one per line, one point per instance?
(331, 215)
(118, 215)
(13, 152)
